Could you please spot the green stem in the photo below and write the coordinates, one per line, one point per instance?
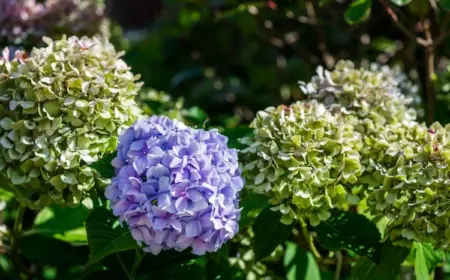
(15, 237)
(130, 277)
(17, 229)
(137, 262)
(310, 241)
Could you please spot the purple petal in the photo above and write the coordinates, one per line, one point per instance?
(183, 242)
(121, 207)
(194, 195)
(155, 249)
(181, 204)
(176, 225)
(137, 234)
(200, 205)
(137, 145)
(164, 184)
(117, 162)
(140, 165)
(164, 201)
(199, 247)
(171, 161)
(193, 229)
(111, 192)
(159, 223)
(158, 212)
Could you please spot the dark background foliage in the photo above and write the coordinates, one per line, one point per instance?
(228, 59)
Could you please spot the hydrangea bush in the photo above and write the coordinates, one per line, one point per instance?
(176, 187)
(61, 108)
(24, 22)
(304, 158)
(104, 179)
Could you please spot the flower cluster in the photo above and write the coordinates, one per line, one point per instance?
(25, 20)
(160, 103)
(61, 109)
(372, 96)
(304, 158)
(409, 182)
(175, 186)
(403, 82)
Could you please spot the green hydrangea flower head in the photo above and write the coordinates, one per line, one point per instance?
(61, 109)
(304, 158)
(407, 86)
(372, 96)
(408, 182)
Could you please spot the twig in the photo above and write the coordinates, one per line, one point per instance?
(339, 265)
(326, 57)
(443, 32)
(400, 26)
(430, 74)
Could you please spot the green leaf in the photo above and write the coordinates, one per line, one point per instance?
(391, 258)
(343, 231)
(63, 223)
(420, 264)
(251, 204)
(105, 239)
(401, 2)
(300, 264)
(358, 11)
(434, 257)
(49, 251)
(196, 114)
(103, 165)
(269, 233)
(445, 4)
(166, 263)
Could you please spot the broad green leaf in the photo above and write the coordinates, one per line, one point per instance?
(445, 4)
(391, 258)
(105, 239)
(103, 165)
(196, 114)
(433, 257)
(48, 251)
(63, 223)
(269, 233)
(358, 11)
(300, 264)
(401, 2)
(343, 231)
(420, 264)
(251, 204)
(166, 262)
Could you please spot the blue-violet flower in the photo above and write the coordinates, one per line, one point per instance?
(175, 186)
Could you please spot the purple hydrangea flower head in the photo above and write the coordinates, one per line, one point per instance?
(176, 187)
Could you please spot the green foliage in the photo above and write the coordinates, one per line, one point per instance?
(445, 4)
(269, 233)
(391, 257)
(222, 62)
(63, 223)
(401, 2)
(420, 263)
(299, 263)
(358, 11)
(343, 231)
(105, 237)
